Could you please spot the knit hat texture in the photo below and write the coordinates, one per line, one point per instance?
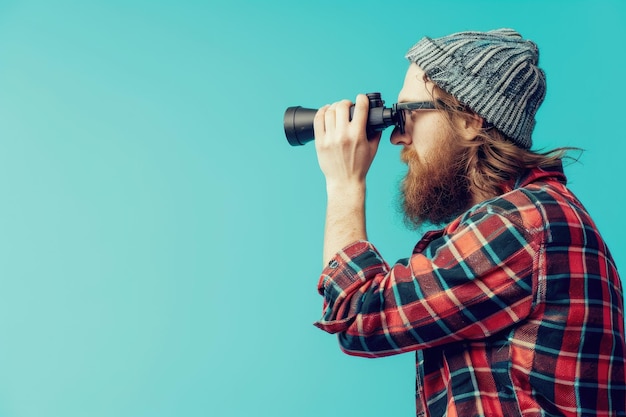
(494, 73)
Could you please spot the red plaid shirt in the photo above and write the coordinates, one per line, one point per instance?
(515, 308)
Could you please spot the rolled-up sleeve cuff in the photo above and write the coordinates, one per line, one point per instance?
(349, 269)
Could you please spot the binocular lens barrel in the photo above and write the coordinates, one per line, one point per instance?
(298, 124)
(298, 121)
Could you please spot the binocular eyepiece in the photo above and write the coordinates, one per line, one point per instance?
(298, 121)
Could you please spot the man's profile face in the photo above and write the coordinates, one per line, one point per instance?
(424, 129)
(435, 188)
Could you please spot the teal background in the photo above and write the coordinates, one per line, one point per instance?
(160, 242)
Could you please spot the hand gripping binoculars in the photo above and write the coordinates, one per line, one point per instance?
(298, 121)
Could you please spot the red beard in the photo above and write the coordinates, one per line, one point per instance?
(435, 191)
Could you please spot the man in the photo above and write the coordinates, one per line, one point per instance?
(515, 307)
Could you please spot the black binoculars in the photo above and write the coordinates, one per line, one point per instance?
(298, 121)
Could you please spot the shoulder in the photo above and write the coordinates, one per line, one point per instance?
(542, 209)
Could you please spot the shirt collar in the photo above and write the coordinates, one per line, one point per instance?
(554, 172)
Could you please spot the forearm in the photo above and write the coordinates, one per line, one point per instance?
(345, 154)
(345, 217)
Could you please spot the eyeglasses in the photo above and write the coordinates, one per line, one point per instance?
(399, 108)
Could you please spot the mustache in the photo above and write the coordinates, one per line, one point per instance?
(408, 155)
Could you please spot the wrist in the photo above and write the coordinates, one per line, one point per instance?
(346, 188)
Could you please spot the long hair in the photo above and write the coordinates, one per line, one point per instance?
(492, 159)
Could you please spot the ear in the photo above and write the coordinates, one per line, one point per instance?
(470, 125)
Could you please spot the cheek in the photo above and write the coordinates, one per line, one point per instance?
(428, 134)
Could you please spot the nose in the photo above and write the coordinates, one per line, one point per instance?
(399, 138)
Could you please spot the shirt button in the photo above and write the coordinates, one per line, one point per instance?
(333, 264)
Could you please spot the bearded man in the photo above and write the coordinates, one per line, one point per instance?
(514, 307)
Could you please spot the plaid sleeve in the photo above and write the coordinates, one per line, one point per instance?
(475, 280)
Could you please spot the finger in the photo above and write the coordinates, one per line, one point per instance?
(342, 113)
(361, 108)
(319, 126)
(330, 118)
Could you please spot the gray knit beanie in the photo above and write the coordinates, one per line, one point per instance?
(494, 73)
